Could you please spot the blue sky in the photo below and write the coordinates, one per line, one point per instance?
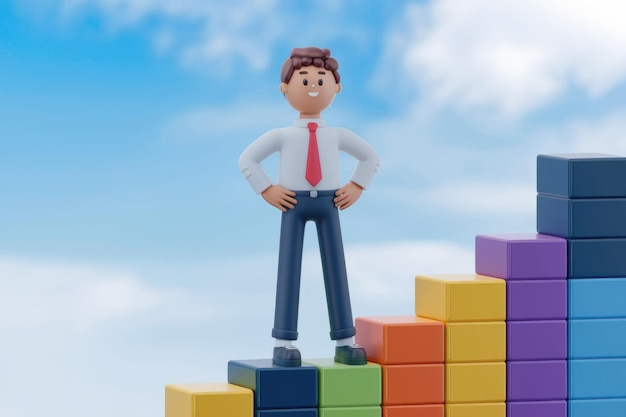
(133, 253)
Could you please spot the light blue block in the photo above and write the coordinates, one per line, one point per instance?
(596, 298)
(591, 258)
(597, 338)
(581, 218)
(597, 408)
(596, 379)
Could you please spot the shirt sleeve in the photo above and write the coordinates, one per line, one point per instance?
(368, 160)
(251, 158)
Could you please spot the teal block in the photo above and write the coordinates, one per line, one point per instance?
(596, 338)
(276, 387)
(591, 258)
(597, 408)
(581, 218)
(589, 175)
(596, 298)
(348, 385)
(597, 378)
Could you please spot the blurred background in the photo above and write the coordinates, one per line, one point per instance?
(133, 253)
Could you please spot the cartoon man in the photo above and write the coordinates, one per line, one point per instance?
(309, 188)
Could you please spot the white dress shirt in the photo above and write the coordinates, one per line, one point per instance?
(292, 143)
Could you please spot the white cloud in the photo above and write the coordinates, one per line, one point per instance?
(484, 198)
(40, 292)
(512, 57)
(205, 32)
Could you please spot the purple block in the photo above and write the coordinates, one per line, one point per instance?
(536, 299)
(536, 380)
(536, 340)
(537, 409)
(521, 256)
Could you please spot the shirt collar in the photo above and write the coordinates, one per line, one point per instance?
(304, 122)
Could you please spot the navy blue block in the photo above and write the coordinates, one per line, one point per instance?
(581, 218)
(301, 412)
(581, 175)
(589, 258)
(276, 387)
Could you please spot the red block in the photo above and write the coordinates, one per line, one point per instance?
(429, 410)
(413, 384)
(395, 340)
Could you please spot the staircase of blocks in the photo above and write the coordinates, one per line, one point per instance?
(539, 330)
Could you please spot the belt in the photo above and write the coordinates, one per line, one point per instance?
(315, 193)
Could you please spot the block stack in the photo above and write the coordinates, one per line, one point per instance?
(473, 310)
(410, 351)
(535, 269)
(582, 197)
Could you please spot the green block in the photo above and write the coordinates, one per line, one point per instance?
(348, 385)
(374, 411)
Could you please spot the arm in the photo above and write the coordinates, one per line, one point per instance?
(367, 166)
(251, 158)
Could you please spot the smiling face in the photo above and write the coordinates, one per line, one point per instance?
(310, 90)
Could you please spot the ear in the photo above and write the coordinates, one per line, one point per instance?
(338, 89)
(283, 88)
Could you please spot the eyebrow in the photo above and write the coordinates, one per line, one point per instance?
(303, 72)
(321, 72)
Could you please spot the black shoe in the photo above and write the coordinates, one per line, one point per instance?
(351, 355)
(287, 356)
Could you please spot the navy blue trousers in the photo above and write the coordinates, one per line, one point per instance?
(322, 211)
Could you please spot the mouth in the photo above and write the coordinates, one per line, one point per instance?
(313, 93)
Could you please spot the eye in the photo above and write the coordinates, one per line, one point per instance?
(305, 82)
(320, 82)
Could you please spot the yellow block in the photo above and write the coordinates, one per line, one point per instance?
(460, 297)
(476, 342)
(208, 400)
(475, 382)
(476, 410)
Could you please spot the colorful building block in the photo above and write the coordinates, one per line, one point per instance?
(463, 386)
(413, 384)
(604, 408)
(536, 340)
(348, 385)
(460, 297)
(372, 411)
(302, 412)
(536, 299)
(476, 341)
(401, 339)
(581, 218)
(276, 387)
(536, 380)
(597, 378)
(426, 410)
(540, 409)
(521, 256)
(208, 400)
(597, 338)
(476, 410)
(590, 258)
(597, 298)
(581, 175)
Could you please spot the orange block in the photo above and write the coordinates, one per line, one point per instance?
(413, 384)
(428, 410)
(401, 339)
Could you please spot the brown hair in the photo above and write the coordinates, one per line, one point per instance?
(302, 57)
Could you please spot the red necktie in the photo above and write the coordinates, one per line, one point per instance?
(313, 167)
